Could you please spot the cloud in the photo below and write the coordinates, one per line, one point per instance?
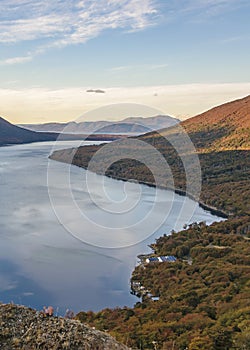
(139, 67)
(234, 39)
(44, 105)
(14, 60)
(120, 68)
(12, 31)
(61, 23)
(49, 24)
(211, 6)
(198, 11)
(158, 66)
(6, 284)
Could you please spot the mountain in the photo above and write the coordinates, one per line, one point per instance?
(25, 329)
(202, 298)
(133, 125)
(225, 127)
(221, 140)
(12, 134)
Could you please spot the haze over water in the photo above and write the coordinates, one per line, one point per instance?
(41, 263)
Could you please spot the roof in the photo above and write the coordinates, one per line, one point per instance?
(166, 258)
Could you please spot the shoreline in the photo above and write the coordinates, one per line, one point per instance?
(71, 137)
(212, 210)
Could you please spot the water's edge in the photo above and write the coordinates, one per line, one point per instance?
(211, 209)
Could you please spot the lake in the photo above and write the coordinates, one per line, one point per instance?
(73, 243)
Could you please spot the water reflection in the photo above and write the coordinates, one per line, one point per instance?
(40, 262)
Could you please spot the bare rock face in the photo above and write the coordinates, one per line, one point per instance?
(23, 328)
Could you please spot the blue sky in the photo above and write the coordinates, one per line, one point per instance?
(186, 55)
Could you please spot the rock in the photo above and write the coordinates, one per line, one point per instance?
(23, 328)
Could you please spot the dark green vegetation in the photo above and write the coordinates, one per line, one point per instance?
(204, 296)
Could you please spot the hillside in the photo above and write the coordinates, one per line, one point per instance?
(225, 127)
(22, 328)
(225, 170)
(133, 125)
(12, 134)
(203, 298)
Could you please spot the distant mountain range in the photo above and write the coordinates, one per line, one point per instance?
(100, 130)
(133, 125)
(12, 134)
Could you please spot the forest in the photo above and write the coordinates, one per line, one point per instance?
(202, 299)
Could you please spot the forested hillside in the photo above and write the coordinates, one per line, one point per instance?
(225, 170)
(204, 296)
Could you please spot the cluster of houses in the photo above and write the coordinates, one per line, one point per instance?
(166, 258)
(136, 286)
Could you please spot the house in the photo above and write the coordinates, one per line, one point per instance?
(152, 297)
(155, 298)
(166, 258)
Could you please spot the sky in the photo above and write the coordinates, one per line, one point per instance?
(179, 57)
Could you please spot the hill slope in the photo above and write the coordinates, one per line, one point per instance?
(12, 134)
(26, 329)
(204, 296)
(134, 125)
(226, 127)
(220, 138)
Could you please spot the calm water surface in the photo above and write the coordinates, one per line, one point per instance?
(42, 263)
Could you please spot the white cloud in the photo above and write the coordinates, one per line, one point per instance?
(158, 66)
(143, 67)
(212, 7)
(59, 23)
(233, 39)
(62, 23)
(6, 284)
(120, 68)
(199, 11)
(31, 28)
(14, 60)
(44, 105)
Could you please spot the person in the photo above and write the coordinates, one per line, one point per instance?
(69, 314)
(49, 311)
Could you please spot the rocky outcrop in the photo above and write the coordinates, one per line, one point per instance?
(23, 328)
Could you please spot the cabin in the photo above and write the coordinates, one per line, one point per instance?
(166, 258)
(155, 298)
